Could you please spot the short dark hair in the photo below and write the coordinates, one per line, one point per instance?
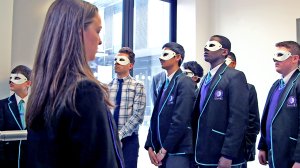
(22, 69)
(194, 67)
(232, 55)
(293, 46)
(177, 48)
(225, 42)
(127, 50)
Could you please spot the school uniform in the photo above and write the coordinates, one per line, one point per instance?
(11, 152)
(170, 126)
(220, 123)
(281, 139)
(253, 126)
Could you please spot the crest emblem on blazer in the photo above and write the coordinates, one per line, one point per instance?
(219, 95)
(292, 101)
(171, 99)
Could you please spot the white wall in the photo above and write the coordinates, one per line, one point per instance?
(6, 17)
(186, 32)
(28, 20)
(193, 25)
(21, 24)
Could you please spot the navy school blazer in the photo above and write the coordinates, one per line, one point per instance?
(170, 125)
(285, 127)
(219, 129)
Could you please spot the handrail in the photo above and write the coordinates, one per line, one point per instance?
(13, 135)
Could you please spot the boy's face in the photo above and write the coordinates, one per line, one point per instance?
(18, 82)
(169, 59)
(287, 64)
(122, 64)
(214, 51)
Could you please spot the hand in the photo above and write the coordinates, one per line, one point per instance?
(296, 165)
(262, 157)
(161, 155)
(152, 157)
(224, 163)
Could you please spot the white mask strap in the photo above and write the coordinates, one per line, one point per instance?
(167, 54)
(228, 61)
(281, 55)
(17, 78)
(188, 73)
(213, 45)
(122, 60)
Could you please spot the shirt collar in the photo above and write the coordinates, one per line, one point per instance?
(215, 69)
(125, 78)
(288, 76)
(18, 98)
(171, 76)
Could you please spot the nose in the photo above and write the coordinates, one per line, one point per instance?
(100, 42)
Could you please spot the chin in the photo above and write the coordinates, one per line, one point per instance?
(91, 57)
(278, 70)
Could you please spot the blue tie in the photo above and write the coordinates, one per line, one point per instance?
(166, 84)
(281, 84)
(118, 101)
(22, 113)
(208, 78)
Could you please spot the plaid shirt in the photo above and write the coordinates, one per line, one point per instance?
(132, 106)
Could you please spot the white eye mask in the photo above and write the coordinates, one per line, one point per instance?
(188, 73)
(122, 60)
(167, 54)
(213, 45)
(17, 78)
(281, 55)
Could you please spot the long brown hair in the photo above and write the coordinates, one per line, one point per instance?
(60, 62)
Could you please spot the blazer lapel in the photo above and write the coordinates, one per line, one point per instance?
(165, 96)
(286, 91)
(214, 82)
(14, 111)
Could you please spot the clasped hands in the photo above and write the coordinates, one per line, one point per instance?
(156, 158)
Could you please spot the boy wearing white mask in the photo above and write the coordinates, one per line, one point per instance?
(129, 98)
(12, 117)
(279, 143)
(169, 142)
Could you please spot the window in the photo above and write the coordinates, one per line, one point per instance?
(145, 26)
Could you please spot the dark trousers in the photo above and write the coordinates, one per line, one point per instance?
(130, 148)
(176, 161)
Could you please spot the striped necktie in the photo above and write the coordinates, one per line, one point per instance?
(22, 113)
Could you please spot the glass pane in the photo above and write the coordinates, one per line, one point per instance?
(111, 35)
(151, 31)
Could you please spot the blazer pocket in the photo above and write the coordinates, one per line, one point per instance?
(293, 139)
